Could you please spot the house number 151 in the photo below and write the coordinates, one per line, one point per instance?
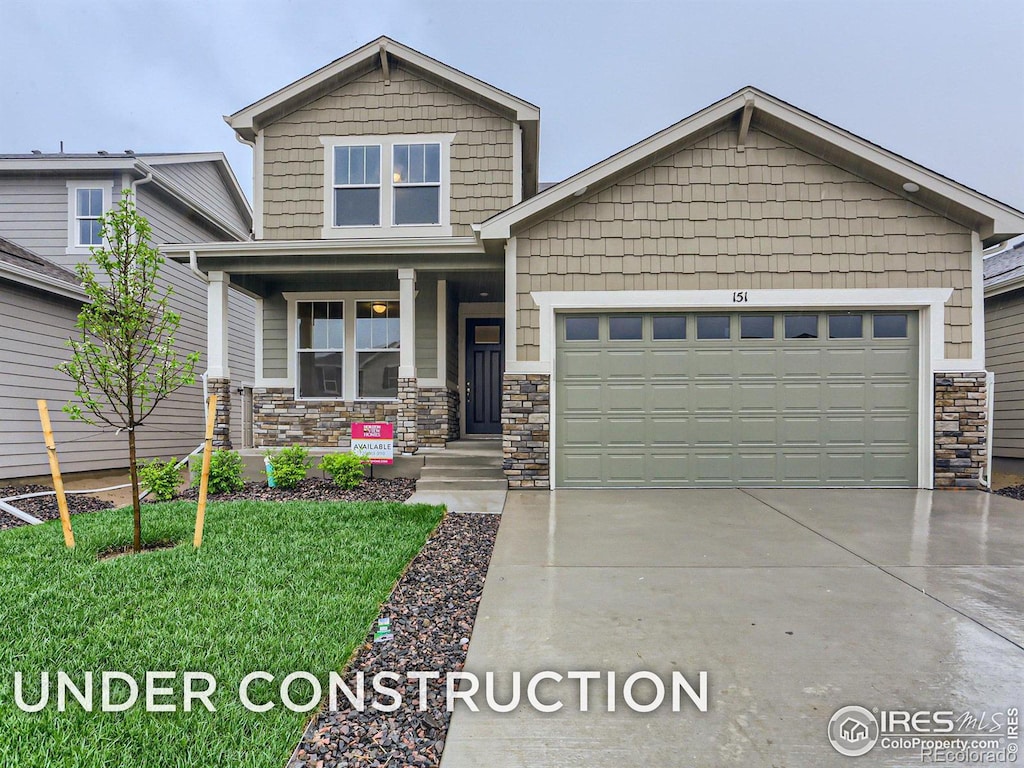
(739, 297)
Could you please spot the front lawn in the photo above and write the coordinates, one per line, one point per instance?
(276, 587)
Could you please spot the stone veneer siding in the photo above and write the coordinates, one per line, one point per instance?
(280, 420)
(222, 419)
(526, 429)
(406, 437)
(961, 429)
(437, 413)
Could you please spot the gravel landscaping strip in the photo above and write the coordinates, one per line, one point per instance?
(45, 507)
(1013, 491)
(432, 610)
(318, 489)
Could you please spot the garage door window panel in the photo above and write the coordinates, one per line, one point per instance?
(757, 327)
(582, 328)
(890, 326)
(669, 327)
(713, 327)
(845, 326)
(625, 328)
(801, 326)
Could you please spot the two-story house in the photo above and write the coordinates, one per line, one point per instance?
(50, 206)
(752, 296)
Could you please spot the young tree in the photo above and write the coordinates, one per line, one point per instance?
(124, 363)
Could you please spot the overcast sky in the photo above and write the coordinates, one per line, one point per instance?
(938, 82)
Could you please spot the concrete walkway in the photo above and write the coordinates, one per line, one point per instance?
(796, 603)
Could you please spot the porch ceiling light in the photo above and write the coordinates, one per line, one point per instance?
(909, 186)
(379, 307)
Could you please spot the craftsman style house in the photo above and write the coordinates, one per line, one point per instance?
(752, 296)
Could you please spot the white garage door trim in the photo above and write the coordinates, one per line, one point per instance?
(928, 302)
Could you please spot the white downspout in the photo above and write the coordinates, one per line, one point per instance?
(193, 265)
(990, 394)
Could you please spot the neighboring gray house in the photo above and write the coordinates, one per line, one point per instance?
(752, 296)
(49, 204)
(1004, 348)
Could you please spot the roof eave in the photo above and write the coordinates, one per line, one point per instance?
(40, 282)
(246, 121)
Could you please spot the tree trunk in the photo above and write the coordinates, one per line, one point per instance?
(136, 503)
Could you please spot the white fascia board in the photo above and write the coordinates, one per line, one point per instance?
(1004, 287)
(99, 163)
(41, 282)
(246, 118)
(370, 246)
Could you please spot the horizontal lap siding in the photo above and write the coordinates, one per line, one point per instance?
(34, 214)
(1004, 352)
(293, 168)
(708, 217)
(204, 184)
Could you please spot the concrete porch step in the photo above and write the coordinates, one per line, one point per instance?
(479, 447)
(425, 485)
(447, 472)
(462, 460)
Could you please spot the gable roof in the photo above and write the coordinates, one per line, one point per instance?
(1004, 271)
(141, 165)
(995, 221)
(247, 121)
(22, 266)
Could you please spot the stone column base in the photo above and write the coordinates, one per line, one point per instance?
(961, 429)
(222, 421)
(526, 429)
(406, 432)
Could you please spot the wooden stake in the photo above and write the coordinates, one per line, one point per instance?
(204, 480)
(58, 482)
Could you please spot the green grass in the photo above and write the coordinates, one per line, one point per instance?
(275, 587)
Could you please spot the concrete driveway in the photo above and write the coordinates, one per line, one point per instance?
(796, 603)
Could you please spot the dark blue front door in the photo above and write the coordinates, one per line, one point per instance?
(485, 363)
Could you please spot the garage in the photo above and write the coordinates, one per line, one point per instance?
(680, 399)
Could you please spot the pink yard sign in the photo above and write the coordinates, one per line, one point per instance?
(375, 440)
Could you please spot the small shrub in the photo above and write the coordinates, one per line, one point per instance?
(290, 465)
(225, 472)
(160, 478)
(345, 468)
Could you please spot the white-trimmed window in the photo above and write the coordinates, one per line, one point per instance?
(87, 201)
(357, 186)
(378, 338)
(387, 186)
(346, 345)
(321, 348)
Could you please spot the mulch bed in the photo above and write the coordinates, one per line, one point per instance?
(317, 489)
(45, 507)
(432, 610)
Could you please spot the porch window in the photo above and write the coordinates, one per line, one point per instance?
(321, 348)
(378, 338)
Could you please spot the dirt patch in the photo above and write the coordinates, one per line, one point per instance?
(126, 549)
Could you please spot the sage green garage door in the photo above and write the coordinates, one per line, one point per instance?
(740, 399)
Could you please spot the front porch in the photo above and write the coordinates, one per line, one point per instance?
(410, 333)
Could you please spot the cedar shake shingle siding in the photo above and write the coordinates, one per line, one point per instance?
(773, 216)
(293, 167)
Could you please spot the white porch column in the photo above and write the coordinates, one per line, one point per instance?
(217, 326)
(407, 313)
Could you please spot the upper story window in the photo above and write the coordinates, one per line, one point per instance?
(357, 186)
(87, 201)
(387, 186)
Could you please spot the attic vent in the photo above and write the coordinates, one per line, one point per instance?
(37, 151)
(102, 152)
(129, 151)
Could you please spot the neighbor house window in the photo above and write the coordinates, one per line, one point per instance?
(357, 186)
(378, 339)
(87, 202)
(417, 181)
(321, 348)
(387, 186)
